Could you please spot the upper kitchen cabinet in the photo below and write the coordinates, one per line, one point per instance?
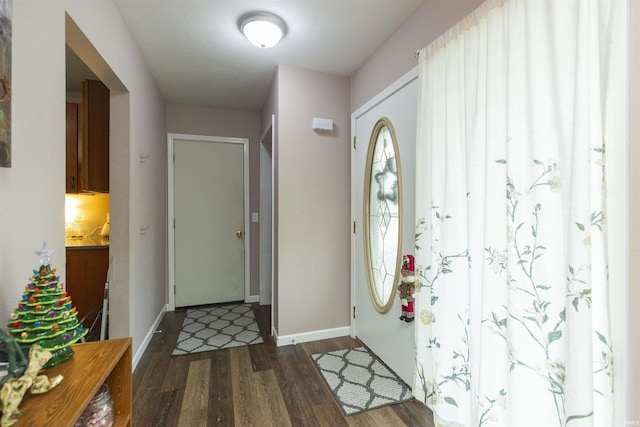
(73, 138)
(93, 158)
(90, 124)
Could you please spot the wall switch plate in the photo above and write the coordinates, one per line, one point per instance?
(254, 217)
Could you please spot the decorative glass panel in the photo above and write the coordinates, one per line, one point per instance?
(382, 216)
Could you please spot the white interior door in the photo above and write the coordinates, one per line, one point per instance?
(385, 334)
(209, 226)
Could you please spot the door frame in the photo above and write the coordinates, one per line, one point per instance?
(267, 215)
(389, 91)
(171, 272)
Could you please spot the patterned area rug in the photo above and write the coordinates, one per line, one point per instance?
(358, 381)
(214, 328)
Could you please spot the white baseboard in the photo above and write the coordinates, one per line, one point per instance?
(312, 336)
(252, 298)
(147, 338)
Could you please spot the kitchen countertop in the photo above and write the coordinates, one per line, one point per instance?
(87, 243)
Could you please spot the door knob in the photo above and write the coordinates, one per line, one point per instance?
(239, 234)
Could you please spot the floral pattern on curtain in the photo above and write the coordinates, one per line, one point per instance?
(514, 112)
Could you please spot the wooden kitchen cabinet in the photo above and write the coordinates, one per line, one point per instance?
(86, 275)
(72, 139)
(87, 140)
(93, 158)
(93, 364)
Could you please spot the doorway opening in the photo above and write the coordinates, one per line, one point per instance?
(103, 223)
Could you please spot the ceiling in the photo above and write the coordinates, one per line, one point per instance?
(198, 56)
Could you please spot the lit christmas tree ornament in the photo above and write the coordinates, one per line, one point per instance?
(45, 314)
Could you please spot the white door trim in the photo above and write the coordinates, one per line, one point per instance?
(356, 217)
(267, 212)
(171, 273)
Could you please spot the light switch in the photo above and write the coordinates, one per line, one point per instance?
(254, 217)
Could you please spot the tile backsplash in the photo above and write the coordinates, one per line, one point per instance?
(85, 214)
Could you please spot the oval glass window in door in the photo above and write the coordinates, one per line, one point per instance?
(382, 215)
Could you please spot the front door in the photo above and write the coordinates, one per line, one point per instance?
(384, 333)
(209, 212)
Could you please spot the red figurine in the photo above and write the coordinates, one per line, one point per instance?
(407, 287)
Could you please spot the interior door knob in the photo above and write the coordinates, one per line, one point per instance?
(239, 234)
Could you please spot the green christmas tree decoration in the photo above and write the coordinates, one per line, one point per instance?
(45, 315)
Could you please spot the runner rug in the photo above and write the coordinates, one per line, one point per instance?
(214, 328)
(358, 381)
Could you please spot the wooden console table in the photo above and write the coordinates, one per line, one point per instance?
(93, 364)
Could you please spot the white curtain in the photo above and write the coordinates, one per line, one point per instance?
(517, 105)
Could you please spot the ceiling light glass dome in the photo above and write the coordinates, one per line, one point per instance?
(263, 29)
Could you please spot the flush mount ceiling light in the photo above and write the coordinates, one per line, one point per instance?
(263, 29)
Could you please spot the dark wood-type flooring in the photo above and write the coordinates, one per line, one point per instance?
(258, 385)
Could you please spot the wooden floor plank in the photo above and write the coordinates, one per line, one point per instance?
(323, 346)
(262, 357)
(329, 414)
(412, 414)
(270, 402)
(195, 403)
(221, 390)
(176, 374)
(167, 415)
(384, 416)
(157, 360)
(299, 394)
(245, 410)
(149, 386)
(172, 413)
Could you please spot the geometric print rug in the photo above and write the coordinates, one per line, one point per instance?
(214, 328)
(358, 381)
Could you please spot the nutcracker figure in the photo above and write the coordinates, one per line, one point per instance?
(407, 287)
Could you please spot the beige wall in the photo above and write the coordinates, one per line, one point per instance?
(313, 202)
(195, 120)
(397, 56)
(32, 190)
(633, 332)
